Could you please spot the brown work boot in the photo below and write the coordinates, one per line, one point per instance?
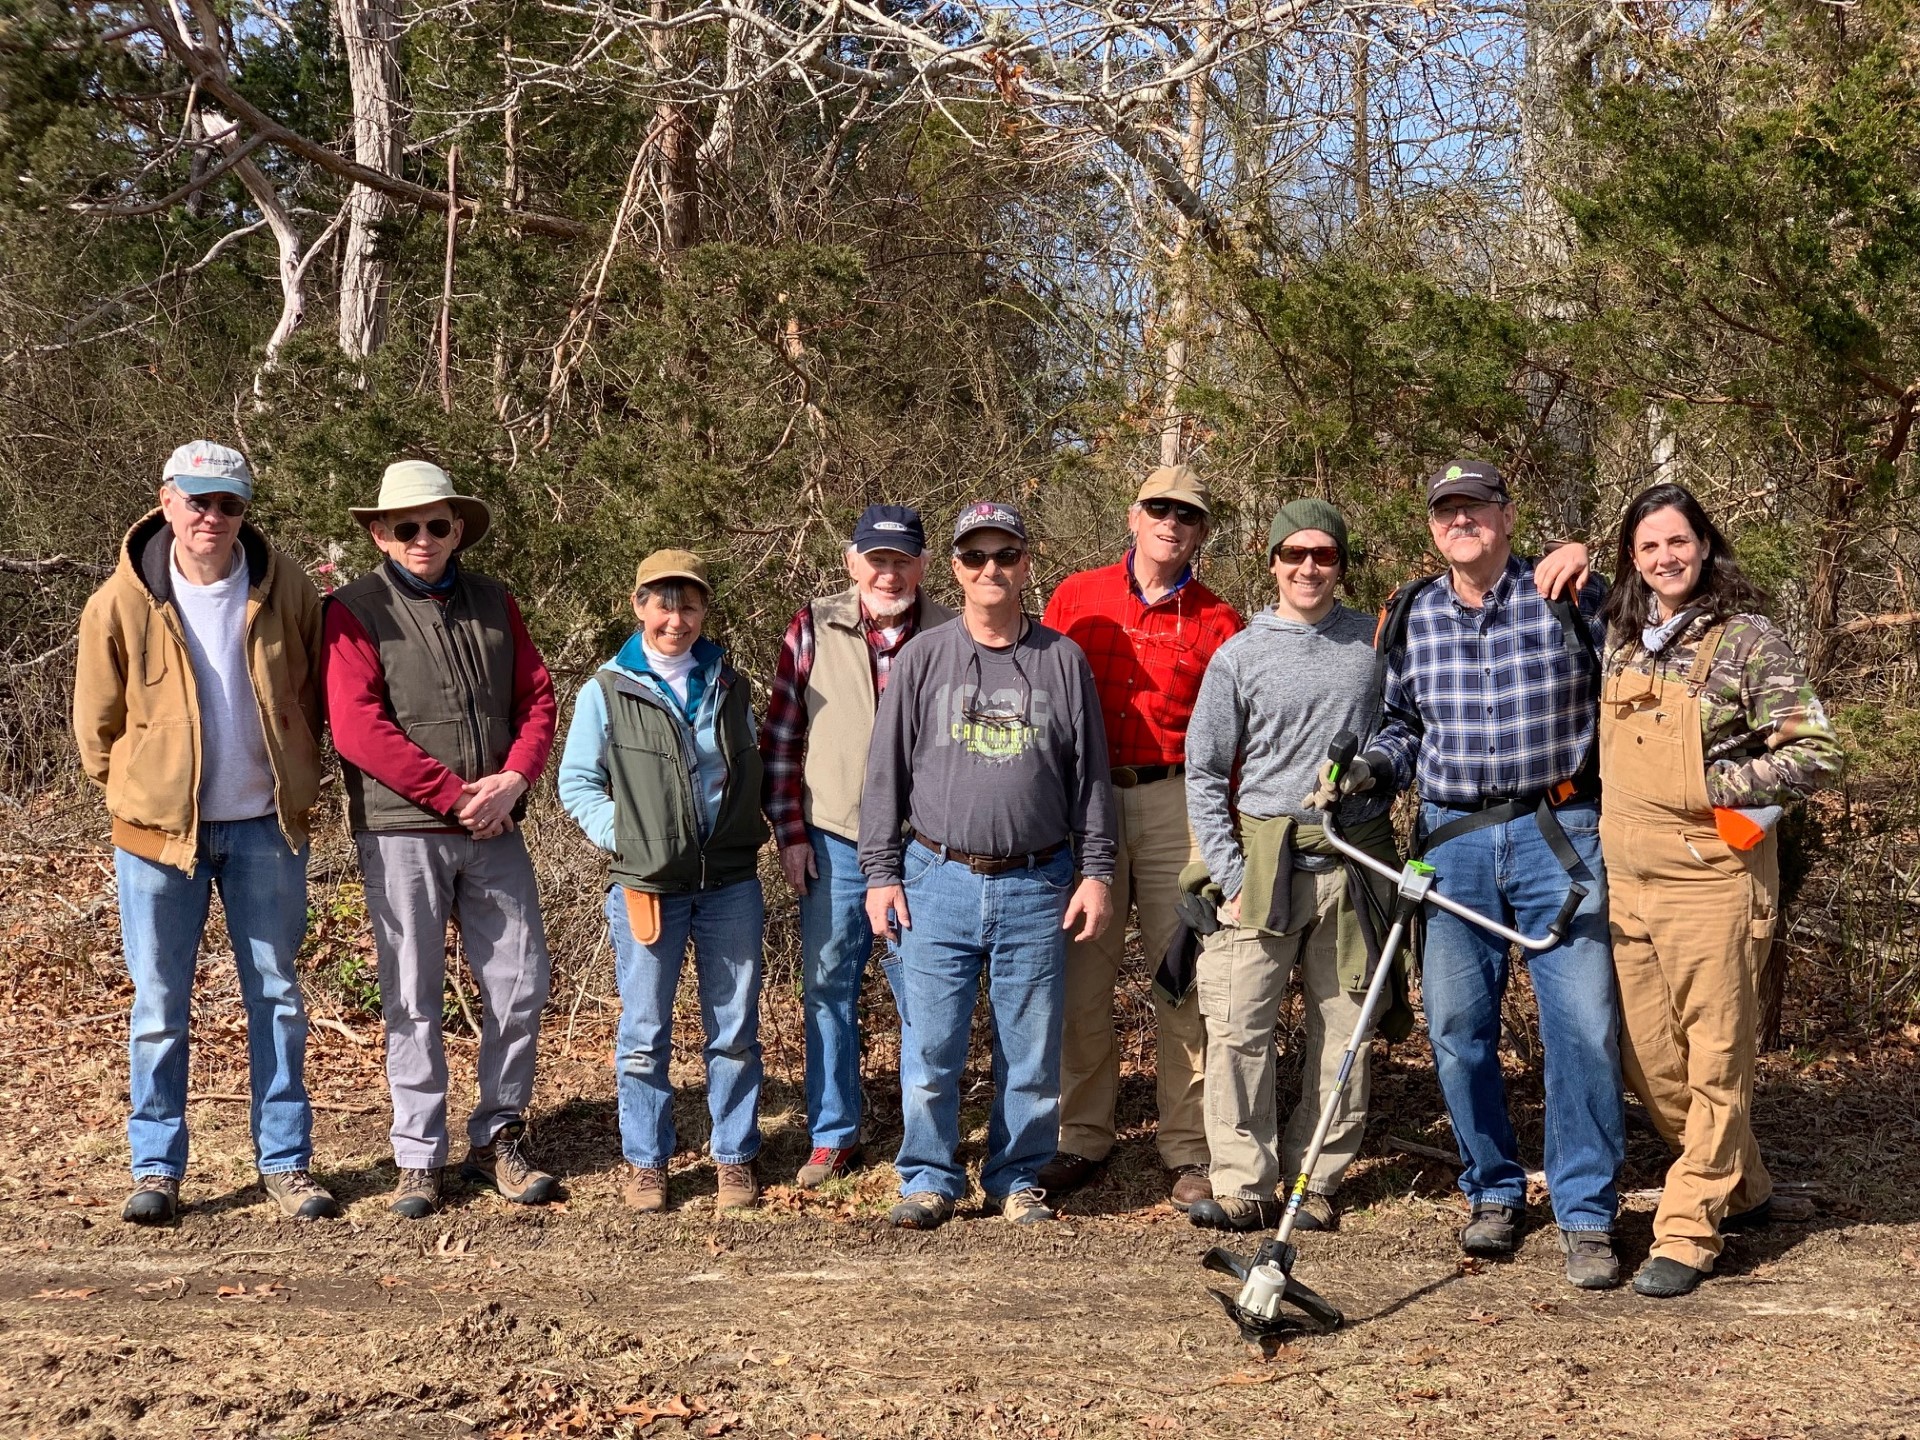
(155, 1201)
(1067, 1172)
(1240, 1213)
(503, 1164)
(739, 1187)
(1190, 1183)
(417, 1194)
(1316, 1213)
(645, 1190)
(298, 1196)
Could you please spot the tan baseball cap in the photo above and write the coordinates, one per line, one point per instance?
(672, 565)
(1176, 482)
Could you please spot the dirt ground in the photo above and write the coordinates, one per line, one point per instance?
(812, 1318)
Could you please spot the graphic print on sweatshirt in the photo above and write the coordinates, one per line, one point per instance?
(997, 726)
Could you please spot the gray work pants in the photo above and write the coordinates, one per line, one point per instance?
(415, 880)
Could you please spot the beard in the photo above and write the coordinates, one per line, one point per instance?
(886, 607)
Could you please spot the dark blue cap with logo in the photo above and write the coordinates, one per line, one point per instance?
(988, 515)
(890, 527)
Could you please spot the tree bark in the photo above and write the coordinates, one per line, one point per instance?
(678, 170)
(1182, 306)
(371, 31)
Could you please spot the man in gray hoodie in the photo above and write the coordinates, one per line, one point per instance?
(1274, 697)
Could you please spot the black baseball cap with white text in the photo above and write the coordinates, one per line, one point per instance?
(1466, 480)
(890, 527)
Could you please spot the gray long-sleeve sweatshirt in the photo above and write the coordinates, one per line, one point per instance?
(1273, 698)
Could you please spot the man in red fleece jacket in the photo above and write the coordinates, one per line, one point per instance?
(443, 714)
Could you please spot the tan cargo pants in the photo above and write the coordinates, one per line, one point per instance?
(1243, 984)
(1155, 846)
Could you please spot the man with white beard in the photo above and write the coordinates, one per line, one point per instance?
(826, 690)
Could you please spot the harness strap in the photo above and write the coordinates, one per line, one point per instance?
(1703, 659)
(1543, 817)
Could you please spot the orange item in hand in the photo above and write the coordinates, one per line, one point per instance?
(1737, 828)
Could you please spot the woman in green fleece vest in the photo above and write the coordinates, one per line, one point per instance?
(662, 771)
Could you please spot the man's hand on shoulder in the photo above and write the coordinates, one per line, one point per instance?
(1562, 566)
(1092, 906)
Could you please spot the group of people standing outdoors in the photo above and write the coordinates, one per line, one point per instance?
(988, 794)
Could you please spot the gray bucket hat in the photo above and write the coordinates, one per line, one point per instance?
(409, 483)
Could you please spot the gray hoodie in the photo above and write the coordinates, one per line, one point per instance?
(1273, 698)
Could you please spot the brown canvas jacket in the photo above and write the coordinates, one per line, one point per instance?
(136, 715)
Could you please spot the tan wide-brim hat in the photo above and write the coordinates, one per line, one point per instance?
(411, 483)
(1176, 482)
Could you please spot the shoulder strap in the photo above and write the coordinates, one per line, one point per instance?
(1391, 631)
(1703, 657)
(1566, 609)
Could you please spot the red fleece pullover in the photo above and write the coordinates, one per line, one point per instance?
(366, 735)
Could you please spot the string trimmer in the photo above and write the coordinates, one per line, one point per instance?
(1267, 1283)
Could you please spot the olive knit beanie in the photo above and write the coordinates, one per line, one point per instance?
(1309, 512)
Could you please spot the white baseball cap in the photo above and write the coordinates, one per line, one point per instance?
(201, 467)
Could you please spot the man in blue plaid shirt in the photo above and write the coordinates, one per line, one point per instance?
(1491, 702)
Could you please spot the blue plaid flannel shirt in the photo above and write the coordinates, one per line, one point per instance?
(1491, 703)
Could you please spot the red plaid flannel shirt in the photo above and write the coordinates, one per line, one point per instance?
(783, 736)
(1147, 659)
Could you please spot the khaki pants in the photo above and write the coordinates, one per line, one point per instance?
(1692, 920)
(1155, 846)
(1243, 983)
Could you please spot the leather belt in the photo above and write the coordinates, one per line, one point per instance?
(990, 864)
(1125, 777)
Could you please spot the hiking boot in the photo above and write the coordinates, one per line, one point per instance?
(1024, 1207)
(1492, 1230)
(154, 1201)
(1757, 1217)
(922, 1210)
(1190, 1183)
(1241, 1213)
(739, 1187)
(1591, 1263)
(502, 1163)
(1067, 1172)
(1665, 1279)
(1316, 1212)
(298, 1196)
(645, 1190)
(417, 1193)
(826, 1163)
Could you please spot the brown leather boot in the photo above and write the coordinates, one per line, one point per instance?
(739, 1187)
(503, 1164)
(1189, 1183)
(645, 1190)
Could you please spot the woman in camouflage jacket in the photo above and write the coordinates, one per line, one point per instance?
(1708, 728)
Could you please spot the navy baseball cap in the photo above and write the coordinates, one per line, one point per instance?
(989, 515)
(890, 527)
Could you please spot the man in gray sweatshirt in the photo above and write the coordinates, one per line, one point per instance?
(1273, 699)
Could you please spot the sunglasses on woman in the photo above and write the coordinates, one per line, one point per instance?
(231, 506)
(1325, 556)
(407, 529)
(1188, 515)
(977, 559)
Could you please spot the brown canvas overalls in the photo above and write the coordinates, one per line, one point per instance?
(1692, 919)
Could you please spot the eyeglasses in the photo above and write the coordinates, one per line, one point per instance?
(1445, 512)
(1188, 515)
(1325, 556)
(231, 506)
(407, 529)
(977, 559)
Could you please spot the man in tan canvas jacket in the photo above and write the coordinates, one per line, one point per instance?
(196, 707)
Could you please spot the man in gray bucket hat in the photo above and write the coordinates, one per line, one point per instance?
(444, 714)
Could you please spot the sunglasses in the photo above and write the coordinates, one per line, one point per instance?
(1188, 515)
(407, 529)
(977, 559)
(230, 506)
(1325, 556)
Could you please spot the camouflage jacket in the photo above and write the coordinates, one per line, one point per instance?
(1766, 736)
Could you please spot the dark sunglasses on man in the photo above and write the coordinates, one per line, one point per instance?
(1161, 507)
(977, 559)
(407, 529)
(231, 506)
(1325, 556)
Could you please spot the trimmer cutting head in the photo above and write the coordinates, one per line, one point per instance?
(1267, 1288)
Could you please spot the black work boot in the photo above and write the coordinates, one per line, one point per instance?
(154, 1201)
(1242, 1214)
(1664, 1279)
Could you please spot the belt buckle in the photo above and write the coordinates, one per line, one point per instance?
(1124, 777)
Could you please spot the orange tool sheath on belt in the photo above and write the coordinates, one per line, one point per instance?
(643, 915)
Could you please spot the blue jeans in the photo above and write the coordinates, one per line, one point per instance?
(725, 927)
(835, 943)
(1508, 873)
(163, 913)
(1009, 926)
